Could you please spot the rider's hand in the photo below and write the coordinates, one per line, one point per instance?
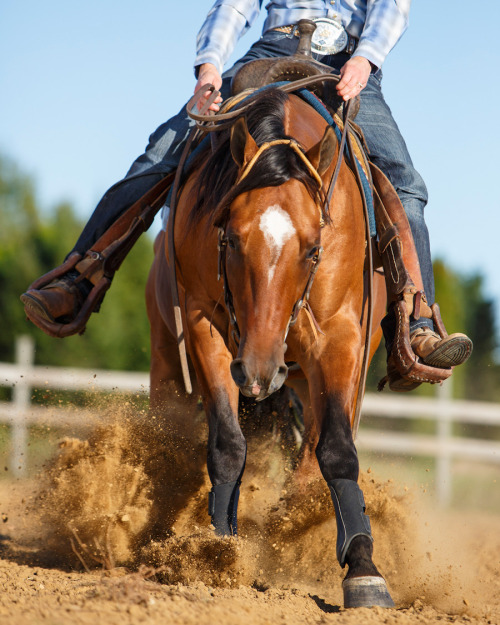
(209, 74)
(354, 76)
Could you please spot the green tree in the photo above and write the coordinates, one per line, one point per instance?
(31, 244)
(466, 307)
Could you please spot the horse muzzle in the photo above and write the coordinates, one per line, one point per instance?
(256, 384)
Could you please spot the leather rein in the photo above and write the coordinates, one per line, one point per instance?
(206, 123)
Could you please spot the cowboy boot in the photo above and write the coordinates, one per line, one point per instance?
(432, 350)
(58, 301)
(436, 351)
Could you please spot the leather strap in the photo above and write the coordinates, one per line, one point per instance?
(221, 121)
(174, 287)
(369, 273)
(100, 263)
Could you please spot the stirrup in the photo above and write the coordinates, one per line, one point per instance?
(102, 261)
(402, 356)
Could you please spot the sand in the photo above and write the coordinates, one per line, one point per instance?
(115, 530)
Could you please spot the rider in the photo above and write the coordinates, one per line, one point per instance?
(365, 31)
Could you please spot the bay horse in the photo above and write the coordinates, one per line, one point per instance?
(256, 199)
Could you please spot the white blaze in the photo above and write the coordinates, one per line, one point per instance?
(277, 228)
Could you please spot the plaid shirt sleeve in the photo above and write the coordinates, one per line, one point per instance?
(226, 22)
(386, 21)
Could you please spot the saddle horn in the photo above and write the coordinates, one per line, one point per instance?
(301, 64)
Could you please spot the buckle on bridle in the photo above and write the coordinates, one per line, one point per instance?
(221, 249)
(300, 303)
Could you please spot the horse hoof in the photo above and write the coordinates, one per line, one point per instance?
(366, 592)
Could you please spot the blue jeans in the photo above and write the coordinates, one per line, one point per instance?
(385, 143)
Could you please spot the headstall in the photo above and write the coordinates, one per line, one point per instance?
(223, 241)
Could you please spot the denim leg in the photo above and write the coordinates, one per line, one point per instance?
(164, 150)
(161, 156)
(389, 152)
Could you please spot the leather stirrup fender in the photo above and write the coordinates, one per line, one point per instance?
(102, 261)
(403, 281)
(395, 240)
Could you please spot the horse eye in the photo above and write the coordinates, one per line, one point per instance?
(313, 252)
(231, 242)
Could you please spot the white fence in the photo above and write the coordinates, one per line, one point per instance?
(444, 446)
(23, 376)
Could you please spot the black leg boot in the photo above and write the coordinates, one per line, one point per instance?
(363, 585)
(223, 508)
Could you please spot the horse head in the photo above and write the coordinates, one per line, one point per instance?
(270, 240)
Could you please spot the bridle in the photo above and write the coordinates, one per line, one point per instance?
(222, 242)
(297, 149)
(228, 296)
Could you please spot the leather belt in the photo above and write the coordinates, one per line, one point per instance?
(291, 29)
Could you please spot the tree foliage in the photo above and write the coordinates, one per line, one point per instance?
(466, 308)
(32, 243)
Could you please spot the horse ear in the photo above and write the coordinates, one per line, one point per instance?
(321, 155)
(243, 147)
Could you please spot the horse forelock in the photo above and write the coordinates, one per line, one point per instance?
(217, 185)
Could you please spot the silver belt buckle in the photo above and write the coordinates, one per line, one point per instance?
(329, 37)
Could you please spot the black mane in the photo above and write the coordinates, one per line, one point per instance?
(216, 184)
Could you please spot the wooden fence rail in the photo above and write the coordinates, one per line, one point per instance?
(444, 445)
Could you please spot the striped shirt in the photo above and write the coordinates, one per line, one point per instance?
(378, 24)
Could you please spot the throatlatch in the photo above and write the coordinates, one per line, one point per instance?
(352, 521)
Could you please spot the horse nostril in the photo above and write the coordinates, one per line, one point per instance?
(283, 370)
(279, 377)
(238, 372)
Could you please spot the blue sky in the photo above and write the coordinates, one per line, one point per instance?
(83, 84)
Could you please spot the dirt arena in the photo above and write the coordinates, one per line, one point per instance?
(84, 543)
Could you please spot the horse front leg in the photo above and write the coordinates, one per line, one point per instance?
(338, 461)
(225, 461)
(226, 444)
